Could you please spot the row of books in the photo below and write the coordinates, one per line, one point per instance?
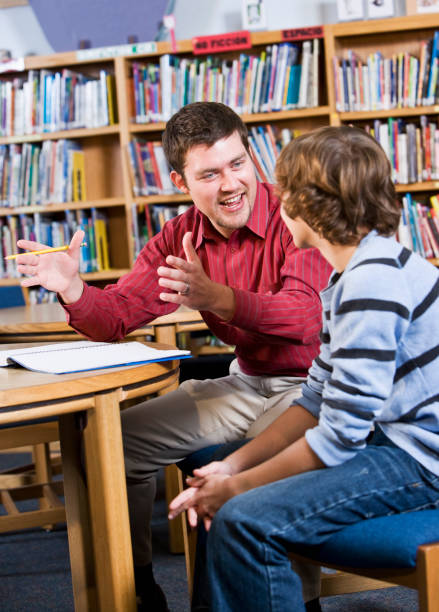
(56, 231)
(266, 142)
(147, 221)
(149, 168)
(283, 77)
(412, 148)
(49, 101)
(40, 295)
(379, 83)
(419, 226)
(38, 174)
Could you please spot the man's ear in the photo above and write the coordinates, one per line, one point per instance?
(179, 181)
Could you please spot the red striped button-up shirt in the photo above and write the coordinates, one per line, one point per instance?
(277, 319)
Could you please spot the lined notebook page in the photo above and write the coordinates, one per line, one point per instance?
(82, 356)
(42, 349)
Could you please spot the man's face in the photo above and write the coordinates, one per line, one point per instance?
(221, 181)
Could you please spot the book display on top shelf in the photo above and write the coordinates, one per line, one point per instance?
(403, 80)
(282, 77)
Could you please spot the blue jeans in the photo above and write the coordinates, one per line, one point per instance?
(251, 534)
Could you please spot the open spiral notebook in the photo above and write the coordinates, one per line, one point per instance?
(80, 356)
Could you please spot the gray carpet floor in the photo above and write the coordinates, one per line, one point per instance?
(35, 574)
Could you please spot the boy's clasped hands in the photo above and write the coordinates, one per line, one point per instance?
(209, 488)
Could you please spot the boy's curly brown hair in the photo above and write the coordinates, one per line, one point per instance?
(338, 180)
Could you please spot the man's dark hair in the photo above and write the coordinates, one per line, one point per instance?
(200, 123)
(338, 180)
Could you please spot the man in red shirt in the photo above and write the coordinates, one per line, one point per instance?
(232, 258)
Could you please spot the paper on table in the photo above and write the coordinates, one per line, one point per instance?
(65, 357)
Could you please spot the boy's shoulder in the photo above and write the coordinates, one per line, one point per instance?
(382, 268)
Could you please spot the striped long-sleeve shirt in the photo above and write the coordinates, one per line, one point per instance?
(379, 358)
(277, 319)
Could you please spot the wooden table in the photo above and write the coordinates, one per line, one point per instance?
(88, 405)
(48, 322)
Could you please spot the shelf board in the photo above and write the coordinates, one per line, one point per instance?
(112, 274)
(393, 112)
(67, 134)
(425, 186)
(213, 350)
(61, 206)
(296, 113)
(147, 127)
(105, 274)
(380, 26)
(174, 198)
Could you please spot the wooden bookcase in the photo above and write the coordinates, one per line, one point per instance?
(107, 170)
(389, 36)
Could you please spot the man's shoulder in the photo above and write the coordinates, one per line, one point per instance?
(272, 198)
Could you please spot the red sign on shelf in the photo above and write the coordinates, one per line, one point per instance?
(219, 43)
(303, 33)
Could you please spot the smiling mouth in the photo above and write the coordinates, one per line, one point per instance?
(232, 202)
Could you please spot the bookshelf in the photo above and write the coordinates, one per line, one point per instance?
(402, 112)
(107, 170)
(108, 177)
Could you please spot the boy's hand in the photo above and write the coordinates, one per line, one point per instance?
(203, 501)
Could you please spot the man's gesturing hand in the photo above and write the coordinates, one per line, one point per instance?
(191, 286)
(53, 271)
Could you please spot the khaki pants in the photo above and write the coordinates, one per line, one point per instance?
(199, 413)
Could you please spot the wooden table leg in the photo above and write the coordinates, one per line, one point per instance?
(109, 506)
(78, 526)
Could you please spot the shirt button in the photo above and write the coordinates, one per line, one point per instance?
(232, 250)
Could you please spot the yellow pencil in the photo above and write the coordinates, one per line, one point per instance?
(44, 251)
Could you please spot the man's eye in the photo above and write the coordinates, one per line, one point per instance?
(238, 164)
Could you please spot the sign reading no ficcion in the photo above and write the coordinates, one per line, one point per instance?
(221, 42)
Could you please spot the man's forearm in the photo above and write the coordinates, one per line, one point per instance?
(284, 431)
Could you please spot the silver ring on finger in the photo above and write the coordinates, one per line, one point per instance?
(186, 290)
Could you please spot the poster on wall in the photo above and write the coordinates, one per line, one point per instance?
(377, 9)
(350, 10)
(253, 15)
(422, 6)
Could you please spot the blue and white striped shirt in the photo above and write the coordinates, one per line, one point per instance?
(379, 357)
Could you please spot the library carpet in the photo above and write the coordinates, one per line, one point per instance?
(35, 571)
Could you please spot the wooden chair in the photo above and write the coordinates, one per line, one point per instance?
(401, 549)
(33, 481)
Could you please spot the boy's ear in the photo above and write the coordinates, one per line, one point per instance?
(179, 181)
